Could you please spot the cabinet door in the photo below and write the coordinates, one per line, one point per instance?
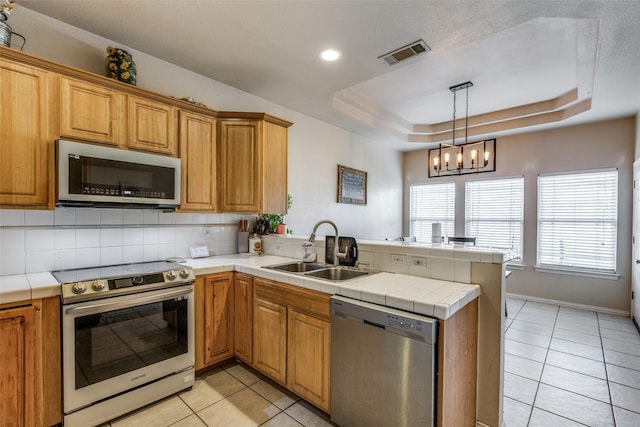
(26, 143)
(240, 158)
(152, 126)
(17, 358)
(90, 112)
(218, 317)
(198, 155)
(270, 339)
(308, 368)
(243, 288)
(275, 168)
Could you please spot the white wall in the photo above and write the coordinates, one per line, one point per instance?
(597, 145)
(315, 148)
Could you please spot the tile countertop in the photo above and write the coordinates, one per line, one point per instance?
(430, 297)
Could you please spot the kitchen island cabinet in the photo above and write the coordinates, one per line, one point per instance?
(30, 360)
(26, 137)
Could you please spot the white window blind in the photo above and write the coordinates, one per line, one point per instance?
(431, 203)
(578, 220)
(494, 213)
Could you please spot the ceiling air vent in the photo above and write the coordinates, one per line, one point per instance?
(405, 52)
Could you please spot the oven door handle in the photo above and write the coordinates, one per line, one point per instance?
(88, 309)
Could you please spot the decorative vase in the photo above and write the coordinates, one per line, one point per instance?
(5, 31)
(119, 65)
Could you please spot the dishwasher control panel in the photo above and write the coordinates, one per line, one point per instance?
(391, 319)
(401, 322)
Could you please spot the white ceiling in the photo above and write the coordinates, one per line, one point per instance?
(583, 57)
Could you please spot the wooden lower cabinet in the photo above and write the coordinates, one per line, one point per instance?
(458, 360)
(270, 339)
(291, 339)
(214, 318)
(243, 317)
(284, 331)
(308, 367)
(30, 361)
(18, 360)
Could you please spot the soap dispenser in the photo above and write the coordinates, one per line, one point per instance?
(308, 252)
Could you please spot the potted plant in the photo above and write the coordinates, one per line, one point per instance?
(282, 226)
(273, 223)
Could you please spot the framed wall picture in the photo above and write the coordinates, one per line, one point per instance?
(352, 186)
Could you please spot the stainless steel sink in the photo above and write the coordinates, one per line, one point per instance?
(337, 274)
(297, 267)
(320, 271)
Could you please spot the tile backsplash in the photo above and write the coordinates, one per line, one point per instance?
(442, 262)
(37, 241)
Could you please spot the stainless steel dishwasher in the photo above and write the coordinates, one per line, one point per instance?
(383, 365)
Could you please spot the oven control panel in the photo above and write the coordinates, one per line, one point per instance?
(102, 288)
(85, 288)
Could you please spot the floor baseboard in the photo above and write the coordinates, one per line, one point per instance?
(571, 305)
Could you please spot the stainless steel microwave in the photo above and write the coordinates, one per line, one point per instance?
(95, 176)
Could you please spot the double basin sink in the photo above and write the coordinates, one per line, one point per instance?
(320, 271)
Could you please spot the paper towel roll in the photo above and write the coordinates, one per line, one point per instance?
(436, 232)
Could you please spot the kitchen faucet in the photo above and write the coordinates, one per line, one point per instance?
(336, 252)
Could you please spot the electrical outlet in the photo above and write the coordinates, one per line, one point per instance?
(419, 262)
(398, 259)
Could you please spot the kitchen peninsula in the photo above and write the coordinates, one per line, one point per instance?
(437, 281)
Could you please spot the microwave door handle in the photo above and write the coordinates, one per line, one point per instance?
(97, 308)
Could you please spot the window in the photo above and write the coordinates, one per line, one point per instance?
(431, 203)
(494, 213)
(578, 221)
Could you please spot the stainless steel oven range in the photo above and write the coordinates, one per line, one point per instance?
(127, 338)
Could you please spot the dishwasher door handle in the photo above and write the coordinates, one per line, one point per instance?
(377, 325)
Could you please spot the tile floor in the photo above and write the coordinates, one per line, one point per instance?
(232, 396)
(563, 367)
(570, 367)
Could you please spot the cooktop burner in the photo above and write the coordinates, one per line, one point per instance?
(83, 284)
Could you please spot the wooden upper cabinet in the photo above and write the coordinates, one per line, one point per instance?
(252, 159)
(198, 153)
(240, 165)
(26, 137)
(152, 126)
(90, 112)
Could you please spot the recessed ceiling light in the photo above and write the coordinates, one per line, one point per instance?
(330, 55)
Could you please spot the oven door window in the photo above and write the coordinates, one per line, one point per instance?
(116, 342)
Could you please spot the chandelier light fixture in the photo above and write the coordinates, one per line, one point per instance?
(464, 158)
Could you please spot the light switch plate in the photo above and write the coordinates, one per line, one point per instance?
(199, 251)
